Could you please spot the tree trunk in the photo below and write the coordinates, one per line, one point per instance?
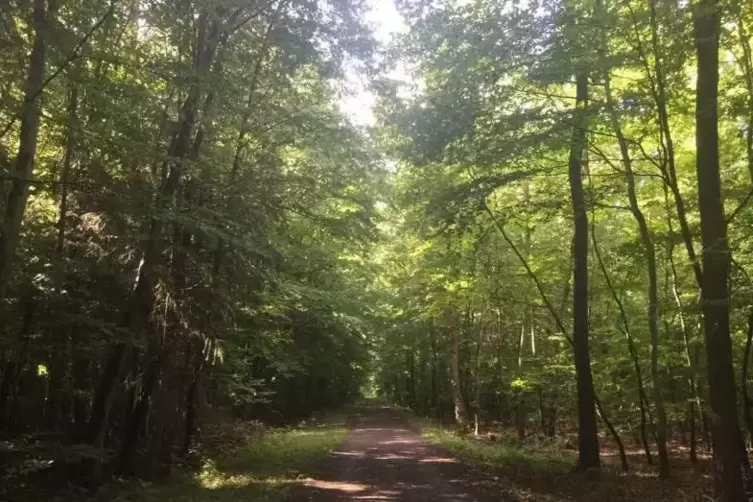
(668, 166)
(690, 358)
(138, 414)
(141, 303)
(81, 386)
(693, 432)
(728, 447)
(192, 395)
(461, 413)
(615, 436)
(434, 372)
(746, 64)
(588, 441)
(27, 149)
(14, 365)
(642, 399)
(6, 388)
(520, 409)
(70, 145)
(747, 403)
(477, 382)
(649, 251)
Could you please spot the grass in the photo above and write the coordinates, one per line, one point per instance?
(264, 469)
(545, 472)
(476, 452)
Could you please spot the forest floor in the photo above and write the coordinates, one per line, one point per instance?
(376, 452)
(390, 455)
(543, 470)
(384, 458)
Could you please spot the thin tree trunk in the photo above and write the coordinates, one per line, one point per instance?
(477, 383)
(461, 413)
(728, 446)
(746, 63)
(642, 399)
(689, 357)
(653, 289)
(693, 431)
(434, 372)
(615, 435)
(588, 440)
(520, 410)
(668, 164)
(27, 149)
(192, 397)
(138, 414)
(14, 365)
(747, 403)
(70, 145)
(6, 389)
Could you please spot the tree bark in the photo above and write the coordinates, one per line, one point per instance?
(668, 164)
(138, 413)
(196, 359)
(727, 439)
(642, 399)
(615, 436)
(70, 145)
(461, 413)
(27, 149)
(141, 303)
(649, 251)
(747, 403)
(588, 441)
(746, 64)
(690, 357)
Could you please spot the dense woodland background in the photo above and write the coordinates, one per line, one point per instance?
(549, 223)
(196, 218)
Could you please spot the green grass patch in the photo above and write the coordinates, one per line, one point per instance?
(498, 455)
(264, 469)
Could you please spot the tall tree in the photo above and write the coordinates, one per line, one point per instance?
(588, 439)
(715, 301)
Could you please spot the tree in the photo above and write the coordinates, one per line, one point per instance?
(728, 446)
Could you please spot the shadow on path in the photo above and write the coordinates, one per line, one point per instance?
(384, 460)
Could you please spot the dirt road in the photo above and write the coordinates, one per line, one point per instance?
(384, 460)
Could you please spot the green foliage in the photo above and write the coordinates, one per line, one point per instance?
(198, 202)
(264, 469)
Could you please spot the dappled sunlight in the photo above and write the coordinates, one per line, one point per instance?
(393, 456)
(438, 460)
(266, 468)
(400, 441)
(370, 430)
(389, 462)
(348, 454)
(339, 486)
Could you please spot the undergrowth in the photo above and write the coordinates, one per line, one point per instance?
(474, 451)
(263, 469)
(533, 472)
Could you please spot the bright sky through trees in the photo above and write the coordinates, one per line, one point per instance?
(358, 101)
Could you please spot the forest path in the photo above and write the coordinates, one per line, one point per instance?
(383, 459)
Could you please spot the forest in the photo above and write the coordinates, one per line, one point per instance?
(543, 229)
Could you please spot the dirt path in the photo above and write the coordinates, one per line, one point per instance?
(384, 460)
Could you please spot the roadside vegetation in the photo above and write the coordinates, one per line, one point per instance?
(264, 468)
(541, 469)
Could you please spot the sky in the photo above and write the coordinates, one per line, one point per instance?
(358, 103)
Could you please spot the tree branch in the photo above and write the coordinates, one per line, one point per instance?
(73, 56)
